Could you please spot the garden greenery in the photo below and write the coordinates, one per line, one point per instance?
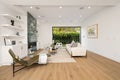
(65, 36)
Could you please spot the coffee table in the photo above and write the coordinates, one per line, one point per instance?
(52, 51)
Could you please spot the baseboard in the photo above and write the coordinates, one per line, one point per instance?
(5, 63)
(103, 56)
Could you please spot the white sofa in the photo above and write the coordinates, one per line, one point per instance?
(76, 51)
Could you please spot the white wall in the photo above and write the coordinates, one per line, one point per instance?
(44, 35)
(6, 9)
(3, 10)
(108, 42)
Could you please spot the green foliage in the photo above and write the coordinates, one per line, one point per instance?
(65, 37)
(66, 34)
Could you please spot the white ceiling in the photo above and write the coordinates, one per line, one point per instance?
(72, 11)
(61, 2)
(54, 14)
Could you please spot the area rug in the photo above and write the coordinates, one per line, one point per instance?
(61, 56)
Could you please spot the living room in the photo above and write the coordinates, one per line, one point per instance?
(102, 49)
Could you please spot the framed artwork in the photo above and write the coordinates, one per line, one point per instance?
(92, 31)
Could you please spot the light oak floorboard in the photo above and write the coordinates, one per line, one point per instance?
(94, 67)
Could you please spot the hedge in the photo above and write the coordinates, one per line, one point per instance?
(66, 38)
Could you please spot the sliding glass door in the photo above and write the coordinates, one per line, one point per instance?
(66, 34)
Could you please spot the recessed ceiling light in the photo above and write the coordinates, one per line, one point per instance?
(39, 16)
(80, 15)
(89, 7)
(59, 16)
(60, 7)
(31, 7)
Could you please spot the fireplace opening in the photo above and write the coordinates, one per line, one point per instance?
(32, 46)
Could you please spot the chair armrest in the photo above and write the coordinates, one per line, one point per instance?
(26, 58)
(22, 62)
(33, 60)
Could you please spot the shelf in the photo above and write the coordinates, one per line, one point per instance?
(11, 27)
(12, 36)
(10, 17)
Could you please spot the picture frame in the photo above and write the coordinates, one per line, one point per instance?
(92, 31)
(7, 42)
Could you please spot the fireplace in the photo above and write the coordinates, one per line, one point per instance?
(32, 46)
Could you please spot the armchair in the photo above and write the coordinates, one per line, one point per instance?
(23, 62)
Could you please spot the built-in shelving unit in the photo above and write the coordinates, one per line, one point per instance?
(11, 17)
(11, 27)
(17, 27)
(12, 37)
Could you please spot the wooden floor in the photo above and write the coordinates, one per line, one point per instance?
(94, 67)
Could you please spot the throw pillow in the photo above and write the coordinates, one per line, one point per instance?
(74, 45)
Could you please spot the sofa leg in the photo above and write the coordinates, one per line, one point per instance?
(86, 55)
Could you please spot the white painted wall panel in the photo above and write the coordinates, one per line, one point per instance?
(108, 42)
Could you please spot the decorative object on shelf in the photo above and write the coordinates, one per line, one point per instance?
(18, 28)
(12, 22)
(13, 42)
(19, 17)
(12, 37)
(17, 33)
(7, 42)
(92, 31)
(16, 16)
(20, 42)
(4, 41)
